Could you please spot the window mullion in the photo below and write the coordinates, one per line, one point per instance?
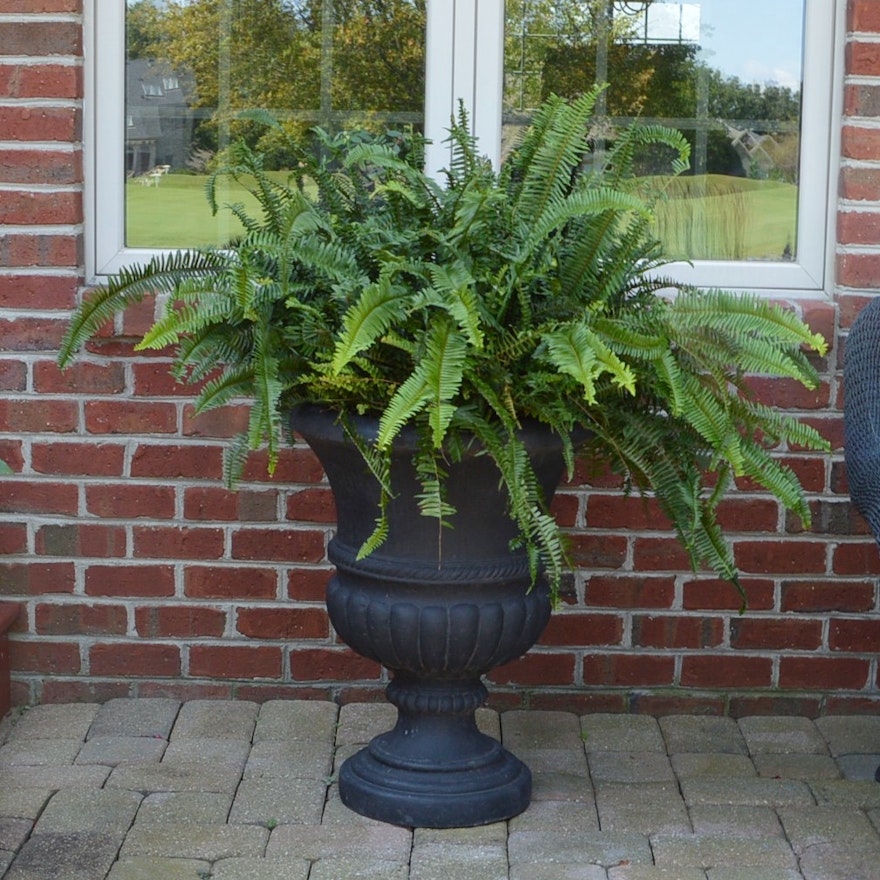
(464, 62)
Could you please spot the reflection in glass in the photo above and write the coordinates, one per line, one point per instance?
(728, 75)
(193, 67)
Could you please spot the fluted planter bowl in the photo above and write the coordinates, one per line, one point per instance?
(439, 608)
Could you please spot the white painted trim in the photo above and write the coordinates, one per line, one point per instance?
(465, 54)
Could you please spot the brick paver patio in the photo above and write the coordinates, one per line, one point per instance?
(155, 789)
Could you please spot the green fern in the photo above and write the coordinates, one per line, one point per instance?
(462, 310)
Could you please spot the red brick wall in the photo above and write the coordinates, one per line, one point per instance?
(138, 573)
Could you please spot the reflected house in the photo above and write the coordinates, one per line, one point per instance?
(159, 120)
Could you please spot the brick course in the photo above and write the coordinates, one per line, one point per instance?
(140, 574)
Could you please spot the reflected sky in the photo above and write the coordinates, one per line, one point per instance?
(756, 40)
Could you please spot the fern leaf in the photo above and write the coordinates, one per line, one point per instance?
(379, 305)
(161, 274)
(577, 351)
(433, 383)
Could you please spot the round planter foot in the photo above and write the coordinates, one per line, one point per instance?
(435, 769)
(435, 797)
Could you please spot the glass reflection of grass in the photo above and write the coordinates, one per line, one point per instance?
(716, 217)
(175, 213)
(705, 217)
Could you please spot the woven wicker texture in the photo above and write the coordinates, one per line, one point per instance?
(861, 375)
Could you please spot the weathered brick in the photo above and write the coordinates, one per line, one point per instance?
(35, 6)
(780, 557)
(861, 100)
(61, 124)
(577, 629)
(182, 542)
(863, 58)
(294, 465)
(628, 670)
(154, 379)
(719, 671)
(597, 551)
(13, 538)
(308, 584)
(36, 578)
(44, 250)
(716, 595)
(283, 623)
(32, 333)
(13, 375)
(130, 500)
(235, 661)
(864, 16)
(312, 505)
(28, 207)
(41, 80)
(789, 394)
(619, 512)
(823, 673)
(38, 37)
(81, 539)
(39, 497)
(130, 580)
(659, 554)
(230, 582)
(84, 459)
(79, 378)
(130, 417)
(278, 545)
(37, 292)
(860, 143)
(331, 664)
(817, 596)
(11, 453)
(179, 622)
(676, 631)
(856, 558)
(44, 657)
(533, 669)
(861, 636)
(134, 659)
(218, 503)
(860, 183)
(782, 634)
(629, 591)
(190, 461)
(225, 421)
(81, 619)
(565, 508)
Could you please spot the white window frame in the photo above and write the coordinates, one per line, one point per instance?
(465, 60)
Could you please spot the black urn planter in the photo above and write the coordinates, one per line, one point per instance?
(439, 609)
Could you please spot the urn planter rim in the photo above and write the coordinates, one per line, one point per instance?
(316, 415)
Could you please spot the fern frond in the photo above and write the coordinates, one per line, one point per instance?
(225, 388)
(433, 383)
(235, 455)
(549, 159)
(576, 350)
(162, 274)
(369, 318)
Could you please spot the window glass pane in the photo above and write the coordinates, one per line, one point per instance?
(193, 66)
(727, 74)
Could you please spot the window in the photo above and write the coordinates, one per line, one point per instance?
(751, 84)
(733, 78)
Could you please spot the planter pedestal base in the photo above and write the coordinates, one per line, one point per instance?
(439, 608)
(435, 769)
